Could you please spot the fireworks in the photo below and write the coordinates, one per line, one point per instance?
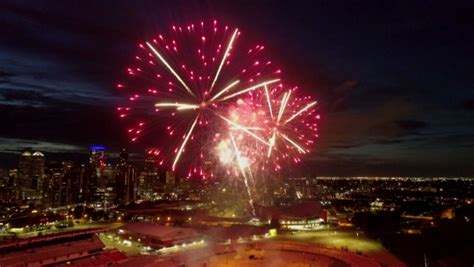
(190, 75)
(273, 126)
(219, 101)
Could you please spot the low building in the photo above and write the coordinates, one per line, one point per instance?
(53, 254)
(157, 236)
(305, 215)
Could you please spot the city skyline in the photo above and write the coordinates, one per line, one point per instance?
(389, 106)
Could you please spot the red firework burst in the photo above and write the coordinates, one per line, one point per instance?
(183, 83)
(280, 126)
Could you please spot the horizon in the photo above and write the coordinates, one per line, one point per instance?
(137, 159)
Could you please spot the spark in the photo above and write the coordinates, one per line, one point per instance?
(240, 160)
(300, 149)
(224, 57)
(243, 163)
(169, 68)
(179, 106)
(270, 146)
(251, 88)
(267, 95)
(242, 128)
(284, 101)
(184, 142)
(301, 111)
(224, 90)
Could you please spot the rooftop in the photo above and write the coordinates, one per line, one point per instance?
(164, 233)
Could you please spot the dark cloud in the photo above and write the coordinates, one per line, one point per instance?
(349, 129)
(336, 99)
(364, 167)
(7, 143)
(6, 74)
(73, 124)
(388, 141)
(12, 94)
(452, 140)
(469, 104)
(411, 125)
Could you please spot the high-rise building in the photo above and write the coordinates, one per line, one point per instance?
(125, 180)
(82, 183)
(92, 192)
(6, 186)
(123, 157)
(37, 169)
(30, 177)
(23, 181)
(52, 185)
(149, 181)
(107, 184)
(97, 158)
(70, 183)
(170, 180)
(67, 183)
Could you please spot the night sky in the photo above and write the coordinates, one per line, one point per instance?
(394, 78)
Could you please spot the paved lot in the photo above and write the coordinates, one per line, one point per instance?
(268, 253)
(271, 258)
(352, 240)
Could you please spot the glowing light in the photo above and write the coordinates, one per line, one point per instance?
(267, 96)
(251, 88)
(301, 111)
(179, 106)
(270, 146)
(293, 143)
(225, 152)
(216, 101)
(286, 96)
(236, 125)
(224, 57)
(224, 90)
(169, 68)
(184, 142)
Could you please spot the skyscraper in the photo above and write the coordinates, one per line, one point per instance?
(6, 185)
(30, 177)
(52, 186)
(37, 170)
(108, 185)
(70, 183)
(125, 180)
(123, 158)
(149, 181)
(97, 158)
(170, 180)
(91, 192)
(23, 182)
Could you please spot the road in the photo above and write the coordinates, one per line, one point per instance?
(77, 226)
